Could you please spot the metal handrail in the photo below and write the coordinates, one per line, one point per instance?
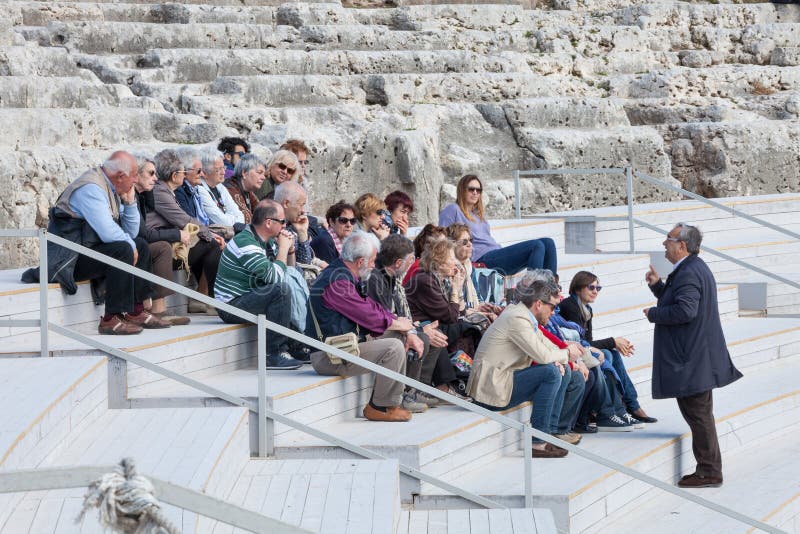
(262, 323)
(56, 478)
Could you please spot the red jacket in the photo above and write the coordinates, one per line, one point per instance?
(557, 342)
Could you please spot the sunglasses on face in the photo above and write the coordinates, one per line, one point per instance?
(345, 220)
(464, 242)
(594, 287)
(196, 171)
(282, 222)
(475, 189)
(150, 173)
(552, 306)
(240, 154)
(284, 167)
(674, 239)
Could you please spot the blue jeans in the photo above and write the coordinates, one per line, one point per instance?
(274, 301)
(532, 254)
(629, 395)
(600, 398)
(538, 384)
(567, 402)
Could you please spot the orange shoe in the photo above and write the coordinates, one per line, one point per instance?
(393, 414)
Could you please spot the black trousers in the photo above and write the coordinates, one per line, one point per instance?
(123, 290)
(204, 260)
(698, 411)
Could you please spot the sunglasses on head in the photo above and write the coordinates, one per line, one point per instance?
(594, 287)
(475, 189)
(284, 167)
(345, 220)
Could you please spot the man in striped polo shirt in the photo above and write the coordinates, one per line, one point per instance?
(248, 279)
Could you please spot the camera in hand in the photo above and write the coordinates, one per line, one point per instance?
(386, 219)
(412, 355)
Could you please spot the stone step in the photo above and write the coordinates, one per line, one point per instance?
(654, 15)
(37, 61)
(390, 88)
(581, 493)
(487, 521)
(755, 485)
(191, 65)
(108, 127)
(318, 495)
(726, 81)
(59, 92)
(201, 449)
(39, 14)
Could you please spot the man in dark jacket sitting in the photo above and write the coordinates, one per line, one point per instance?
(690, 356)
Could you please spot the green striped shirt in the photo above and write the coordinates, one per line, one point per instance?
(245, 265)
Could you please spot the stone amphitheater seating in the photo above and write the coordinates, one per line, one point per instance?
(319, 484)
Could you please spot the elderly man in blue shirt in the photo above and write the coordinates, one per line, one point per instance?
(99, 211)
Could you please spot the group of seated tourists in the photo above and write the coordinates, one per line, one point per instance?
(435, 309)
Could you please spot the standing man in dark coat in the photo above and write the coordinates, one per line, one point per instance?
(690, 356)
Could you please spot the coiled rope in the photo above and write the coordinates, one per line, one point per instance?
(126, 502)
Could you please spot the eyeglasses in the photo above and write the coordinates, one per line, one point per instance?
(345, 220)
(284, 167)
(464, 242)
(594, 287)
(282, 222)
(674, 239)
(180, 172)
(196, 171)
(150, 173)
(552, 306)
(475, 189)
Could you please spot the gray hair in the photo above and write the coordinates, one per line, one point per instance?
(247, 163)
(536, 290)
(188, 156)
(290, 191)
(142, 160)
(168, 162)
(116, 163)
(207, 159)
(286, 157)
(531, 275)
(264, 210)
(692, 236)
(359, 245)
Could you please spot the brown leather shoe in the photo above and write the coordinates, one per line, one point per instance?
(393, 414)
(146, 320)
(174, 320)
(549, 451)
(699, 481)
(117, 326)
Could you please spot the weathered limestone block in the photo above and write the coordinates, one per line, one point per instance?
(556, 112)
(728, 159)
(30, 60)
(66, 92)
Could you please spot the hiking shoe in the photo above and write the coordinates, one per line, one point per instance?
(145, 319)
(174, 320)
(118, 326)
(569, 437)
(411, 404)
(631, 420)
(282, 362)
(430, 400)
(614, 424)
(393, 414)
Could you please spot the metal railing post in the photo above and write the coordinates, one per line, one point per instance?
(527, 458)
(262, 386)
(44, 320)
(517, 200)
(629, 191)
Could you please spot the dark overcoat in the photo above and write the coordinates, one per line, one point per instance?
(690, 355)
